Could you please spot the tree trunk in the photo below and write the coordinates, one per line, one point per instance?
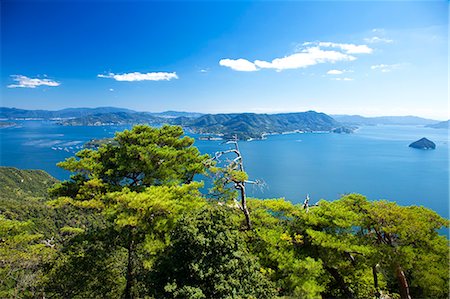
(130, 273)
(244, 207)
(340, 281)
(375, 281)
(403, 283)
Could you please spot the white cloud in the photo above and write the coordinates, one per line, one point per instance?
(348, 48)
(242, 65)
(376, 39)
(338, 72)
(343, 79)
(26, 82)
(111, 89)
(307, 57)
(309, 54)
(136, 76)
(385, 68)
(335, 72)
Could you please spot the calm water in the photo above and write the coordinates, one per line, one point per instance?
(375, 161)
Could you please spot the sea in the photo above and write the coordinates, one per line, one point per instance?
(374, 161)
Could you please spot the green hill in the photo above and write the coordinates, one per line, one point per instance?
(252, 125)
(17, 182)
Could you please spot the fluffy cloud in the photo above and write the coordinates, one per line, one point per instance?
(310, 54)
(26, 82)
(242, 65)
(136, 76)
(385, 68)
(376, 39)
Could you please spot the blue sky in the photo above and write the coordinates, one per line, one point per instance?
(368, 58)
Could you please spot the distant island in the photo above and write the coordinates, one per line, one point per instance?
(440, 125)
(4, 124)
(14, 113)
(423, 143)
(245, 126)
(383, 120)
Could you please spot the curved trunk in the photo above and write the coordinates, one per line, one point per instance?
(402, 283)
(244, 207)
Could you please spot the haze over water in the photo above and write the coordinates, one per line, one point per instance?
(374, 161)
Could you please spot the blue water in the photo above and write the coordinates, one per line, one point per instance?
(375, 161)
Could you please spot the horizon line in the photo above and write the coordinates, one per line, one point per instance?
(241, 112)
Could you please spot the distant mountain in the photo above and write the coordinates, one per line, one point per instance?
(114, 118)
(175, 114)
(252, 125)
(440, 125)
(244, 125)
(14, 113)
(383, 120)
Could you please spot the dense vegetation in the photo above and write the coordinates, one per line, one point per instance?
(132, 222)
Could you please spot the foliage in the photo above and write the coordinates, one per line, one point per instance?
(208, 258)
(22, 257)
(141, 157)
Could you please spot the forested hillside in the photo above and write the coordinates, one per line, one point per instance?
(133, 222)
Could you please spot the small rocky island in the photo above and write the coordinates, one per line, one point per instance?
(423, 143)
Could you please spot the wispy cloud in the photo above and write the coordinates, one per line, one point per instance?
(343, 79)
(338, 72)
(376, 39)
(385, 68)
(242, 65)
(309, 54)
(26, 82)
(347, 48)
(136, 76)
(335, 72)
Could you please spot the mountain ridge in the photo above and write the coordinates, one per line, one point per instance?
(383, 120)
(17, 113)
(244, 125)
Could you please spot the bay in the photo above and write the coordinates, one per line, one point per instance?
(374, 161)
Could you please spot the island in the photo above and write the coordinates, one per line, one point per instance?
(4, 124)
(440, 125)
(423, 143)
(244, 126)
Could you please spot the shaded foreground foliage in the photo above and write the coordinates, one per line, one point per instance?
(132, 223)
